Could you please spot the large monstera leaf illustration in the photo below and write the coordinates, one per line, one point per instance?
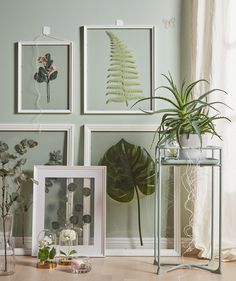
(130, 170)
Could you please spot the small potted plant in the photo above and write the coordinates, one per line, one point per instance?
(186, 115)
(47, 250)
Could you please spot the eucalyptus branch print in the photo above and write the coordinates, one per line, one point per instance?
(46, 73)
(122, 80)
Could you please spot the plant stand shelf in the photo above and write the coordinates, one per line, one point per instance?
(212, 159)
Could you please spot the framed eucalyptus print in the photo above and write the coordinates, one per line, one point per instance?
(55, 147)
(58, 203)
(119, 68)
(44, 77)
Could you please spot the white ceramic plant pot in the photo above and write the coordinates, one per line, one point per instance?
(192, 147)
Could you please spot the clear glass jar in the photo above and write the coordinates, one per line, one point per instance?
(68, 240)
(173, 150)
(47, 250)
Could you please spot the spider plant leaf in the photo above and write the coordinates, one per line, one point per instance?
(157, 98)
(210, 92)
(158, 111)
(190, 87)
(164, 137)
(222, 117)
(216, 102)
(178, 134)
(174, 92)
(173, 89)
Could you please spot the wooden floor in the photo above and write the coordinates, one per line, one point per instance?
(118, 269)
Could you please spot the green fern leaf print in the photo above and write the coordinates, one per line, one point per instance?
(122, 79)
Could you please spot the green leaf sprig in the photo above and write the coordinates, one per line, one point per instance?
(46, 73)
(122, 80)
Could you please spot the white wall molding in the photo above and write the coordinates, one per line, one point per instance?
(119, 246)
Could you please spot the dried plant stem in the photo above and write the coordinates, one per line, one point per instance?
(139, 214)
(4, 214)
(48, 92)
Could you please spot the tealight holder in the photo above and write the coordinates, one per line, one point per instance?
(80, 265)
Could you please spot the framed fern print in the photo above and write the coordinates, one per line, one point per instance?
(119, 69)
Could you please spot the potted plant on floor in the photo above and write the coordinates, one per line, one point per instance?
(185, 115)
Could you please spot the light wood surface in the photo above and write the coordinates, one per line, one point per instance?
(117, 269)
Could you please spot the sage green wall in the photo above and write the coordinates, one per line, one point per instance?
(23, 20)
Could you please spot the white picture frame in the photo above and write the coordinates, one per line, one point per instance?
(98, 173)
(122, 245)
(31, 95)
(94, 94)
(69, 154)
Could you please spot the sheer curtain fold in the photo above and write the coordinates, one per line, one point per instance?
(214, 58)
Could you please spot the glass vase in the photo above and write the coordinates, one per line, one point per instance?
(47, 250)
(68, 239)
(7, 257)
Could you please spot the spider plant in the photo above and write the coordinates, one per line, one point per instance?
(186, 114)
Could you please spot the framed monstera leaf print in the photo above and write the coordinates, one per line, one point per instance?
(126, 151)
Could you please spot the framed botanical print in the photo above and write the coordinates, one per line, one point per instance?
(44, 77)
(55, 147)
(128, 153)
(58, 203)
(118, 69)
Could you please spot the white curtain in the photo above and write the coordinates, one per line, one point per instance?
(213, 40)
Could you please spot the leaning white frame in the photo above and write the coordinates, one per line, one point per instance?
(68, 128)
(99, 174)
(152, 66)
(176, 251)
(19, 76)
